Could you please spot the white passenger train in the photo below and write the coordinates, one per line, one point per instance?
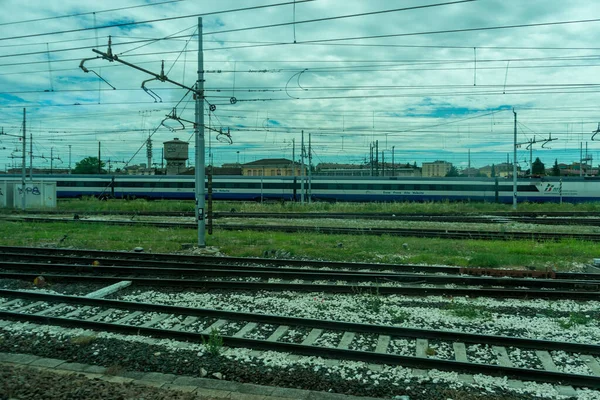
(323, 188)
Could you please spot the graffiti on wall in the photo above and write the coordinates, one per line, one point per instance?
(34, 190)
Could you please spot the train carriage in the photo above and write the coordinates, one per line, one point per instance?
(324, 188)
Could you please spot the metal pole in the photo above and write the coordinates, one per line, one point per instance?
(376, 158)
(293, 168)
(23, 166)
(580, 159)
(51, 159)
(69, 159)
(99, 159)
(30, 156)
(393, 166)
(302, 169)
(309, 170)
(199, 135)
(515, 164)
(530, 158)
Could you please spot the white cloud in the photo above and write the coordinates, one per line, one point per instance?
(353, 91)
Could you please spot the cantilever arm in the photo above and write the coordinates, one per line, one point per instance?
(86, 70)
(151, 92)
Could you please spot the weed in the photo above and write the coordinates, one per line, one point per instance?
(430, 351)
(575, 319)
(83, 340)
(468, 311)
(214, 344)
(398, 316)
(373, 301)
(320, 303)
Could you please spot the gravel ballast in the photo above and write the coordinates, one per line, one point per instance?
(138, 353)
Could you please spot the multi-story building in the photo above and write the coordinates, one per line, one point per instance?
(436, 168)
(272, 167)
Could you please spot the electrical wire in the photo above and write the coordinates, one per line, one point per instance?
(156, 20)
(89, 13)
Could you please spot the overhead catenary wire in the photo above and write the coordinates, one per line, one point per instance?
(121, 24)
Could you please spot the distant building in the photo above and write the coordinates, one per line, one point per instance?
(502, 170)
(272, 167)
(435, 169)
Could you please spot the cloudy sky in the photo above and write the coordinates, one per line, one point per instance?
(429, 80)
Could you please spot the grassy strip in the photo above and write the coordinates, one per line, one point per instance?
(91, 205)
(564, 255)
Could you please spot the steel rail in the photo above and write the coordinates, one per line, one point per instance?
(181, 258)
(184, 272)
(62, 255)
(424, 233)
(546, 218)
(310, 287)
(372, 357)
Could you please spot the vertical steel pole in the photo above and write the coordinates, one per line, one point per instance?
(309, 170)
(393, 165)
(199, 135)
(293, 169)
(515, 164)
(302, 169)
(30, 156)
(23, 166)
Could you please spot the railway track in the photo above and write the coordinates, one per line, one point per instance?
(125, 258)
(375, 344)
(539, 218)
(423, 233)
(209, 275)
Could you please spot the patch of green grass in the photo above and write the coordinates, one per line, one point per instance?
(484, 260)
(468, 311)
(575, 319)
(398, 316)
(83, 340)
(560, 255)
(444, 207)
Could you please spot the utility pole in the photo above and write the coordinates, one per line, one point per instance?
(580, 159)
(309, 170)
(302, 168)
(198, 91)
(24, 159)
(99, 162)
(515, 164)
(293, 169)
(383, 162)
(30, 156)
(469, 163)
(199, 134)
(371, 157)
(51, 159)
(377, 158)
(393, 165)
(69, 159)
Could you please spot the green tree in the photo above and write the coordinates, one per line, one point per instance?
(452, 172)
(89, 165)
(538, 168)
(555, 168)
(493, 172)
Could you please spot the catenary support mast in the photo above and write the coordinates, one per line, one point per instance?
(199, 142)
